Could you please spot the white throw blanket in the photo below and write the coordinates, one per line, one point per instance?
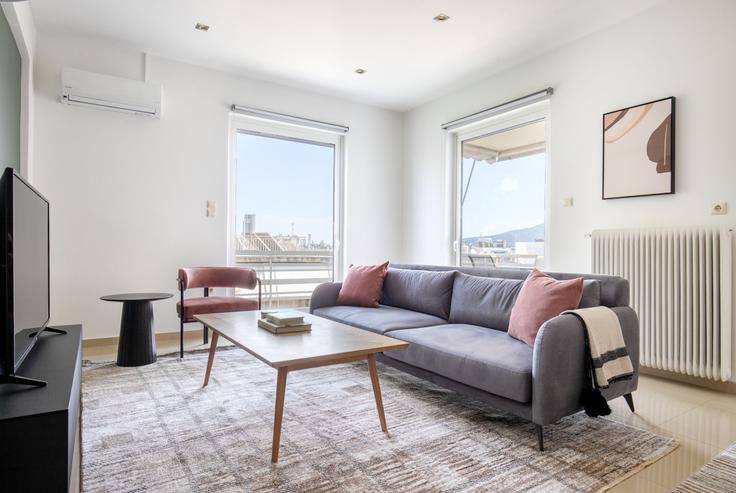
(608, 353)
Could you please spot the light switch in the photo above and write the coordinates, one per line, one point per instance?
(719, 208)
(567, 202)
(211, 208)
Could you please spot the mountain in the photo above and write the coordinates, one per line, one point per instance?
(510, 237)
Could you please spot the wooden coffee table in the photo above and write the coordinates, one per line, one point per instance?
(329, 343)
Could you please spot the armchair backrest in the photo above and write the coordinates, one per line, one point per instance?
(217, 277)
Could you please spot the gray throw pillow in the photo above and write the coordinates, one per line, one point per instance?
(484, 301)
(419, 290)
(591, 294)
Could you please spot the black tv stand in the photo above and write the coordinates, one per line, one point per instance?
(21, 380)
(39, 427)
(53, 330)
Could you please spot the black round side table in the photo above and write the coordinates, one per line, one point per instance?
(137, 346)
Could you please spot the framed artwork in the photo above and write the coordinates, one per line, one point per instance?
(639, 150)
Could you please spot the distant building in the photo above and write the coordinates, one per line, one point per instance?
(530, 248)
(252, 240)
(267, 242)
(249, 224)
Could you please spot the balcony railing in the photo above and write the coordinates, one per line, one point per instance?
(288, 277)
(505, 260)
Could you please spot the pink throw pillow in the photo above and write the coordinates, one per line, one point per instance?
(541, 298)
(362, 286)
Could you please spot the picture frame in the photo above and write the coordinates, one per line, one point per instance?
(639, 150)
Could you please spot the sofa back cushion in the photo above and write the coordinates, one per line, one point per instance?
(418, 290)
(484, 301)
(591, 294)
(487, 301)
(614, 290)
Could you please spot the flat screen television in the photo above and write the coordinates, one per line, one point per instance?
(24, 273)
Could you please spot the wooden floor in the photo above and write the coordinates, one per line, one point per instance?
(101, 351)
(703, 420)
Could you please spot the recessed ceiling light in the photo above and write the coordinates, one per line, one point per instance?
(441, 17)
(360, 71)
(201, 27)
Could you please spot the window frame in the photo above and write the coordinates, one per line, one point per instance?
(252, 125)
(496, 124)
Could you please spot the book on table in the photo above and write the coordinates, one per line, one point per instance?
(283, 329)
(283, 317)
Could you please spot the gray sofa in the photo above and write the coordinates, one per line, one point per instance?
(455, 321)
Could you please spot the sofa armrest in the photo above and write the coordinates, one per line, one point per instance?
(558, 368)
(324, 295)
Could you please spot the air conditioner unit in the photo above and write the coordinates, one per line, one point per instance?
(106, 92)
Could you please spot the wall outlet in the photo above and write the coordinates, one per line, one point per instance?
(719, 208)
(211, 210)
(567, 202)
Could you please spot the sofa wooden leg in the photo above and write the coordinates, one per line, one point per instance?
(540, 437)
(630, 401)
(205, 334)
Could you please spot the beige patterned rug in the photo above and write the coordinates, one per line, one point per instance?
(716, 476)
(154, 428)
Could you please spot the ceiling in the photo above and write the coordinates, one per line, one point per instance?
(409, 58)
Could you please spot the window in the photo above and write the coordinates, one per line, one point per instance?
(500, 209)
(284, 209)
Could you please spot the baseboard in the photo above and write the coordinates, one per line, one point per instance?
(727, 387)
(161, 337)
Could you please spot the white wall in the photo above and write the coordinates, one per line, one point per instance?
(128, 194)
(680, 48)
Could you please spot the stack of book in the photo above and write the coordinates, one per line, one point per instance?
(283, 321)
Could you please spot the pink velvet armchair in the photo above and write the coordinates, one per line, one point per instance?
(208, 278)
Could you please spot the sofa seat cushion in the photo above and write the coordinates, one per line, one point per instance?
(486, 359)
(379, 320)
(215, 304)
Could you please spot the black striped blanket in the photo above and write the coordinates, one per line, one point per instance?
(609, 356)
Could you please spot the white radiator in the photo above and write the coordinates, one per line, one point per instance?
(681, 282)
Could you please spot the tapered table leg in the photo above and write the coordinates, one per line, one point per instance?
(279, 413)
(136, 345)
(377, 390)
(211, 358)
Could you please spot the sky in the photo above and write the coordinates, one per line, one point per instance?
(283, 181)
(503, 196)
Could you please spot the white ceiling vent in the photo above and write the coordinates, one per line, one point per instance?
(106, 92)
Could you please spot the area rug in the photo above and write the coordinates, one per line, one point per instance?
(716, 476)
(154, 428)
